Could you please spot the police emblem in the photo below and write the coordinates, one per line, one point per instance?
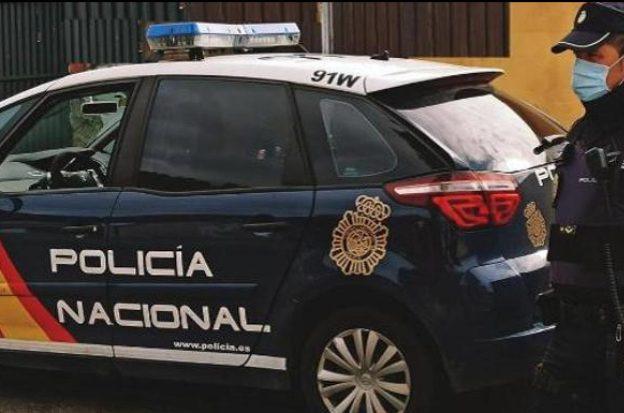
(535, 225)
(360, 238)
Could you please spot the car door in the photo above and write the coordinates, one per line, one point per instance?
(53, 234)
(220, 202)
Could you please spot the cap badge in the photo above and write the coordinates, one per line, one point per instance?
(581, 17)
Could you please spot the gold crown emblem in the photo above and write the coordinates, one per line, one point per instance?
(360, 239)
(372, 208)
(530, 209)
(535, 225)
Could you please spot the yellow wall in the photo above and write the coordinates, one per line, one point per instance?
(533, 73)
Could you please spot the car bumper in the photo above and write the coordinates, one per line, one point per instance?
(499, 360)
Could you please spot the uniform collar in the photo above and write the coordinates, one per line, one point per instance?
(608, 109)
(603, 123)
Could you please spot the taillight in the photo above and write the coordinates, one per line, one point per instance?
(469, 199)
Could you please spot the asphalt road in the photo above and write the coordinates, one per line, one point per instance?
(27, 391)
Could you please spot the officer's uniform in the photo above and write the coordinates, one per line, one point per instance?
(578, 368)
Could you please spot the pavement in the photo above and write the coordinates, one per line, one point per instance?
(29, 391)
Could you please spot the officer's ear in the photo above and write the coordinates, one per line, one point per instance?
(613, 47)
(620, 67)
(620, 70)
(617, 41)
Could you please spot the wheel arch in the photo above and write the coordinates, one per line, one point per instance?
(311, 313)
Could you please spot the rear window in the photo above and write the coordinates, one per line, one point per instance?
(484, 130)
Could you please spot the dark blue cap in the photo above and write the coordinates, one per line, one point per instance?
(593, 25)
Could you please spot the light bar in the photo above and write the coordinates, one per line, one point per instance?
(270, 35)
(189, 35)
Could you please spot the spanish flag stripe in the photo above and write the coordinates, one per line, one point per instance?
(17, 323)
(54, 330)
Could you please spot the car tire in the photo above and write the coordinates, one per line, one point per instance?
(354, 378)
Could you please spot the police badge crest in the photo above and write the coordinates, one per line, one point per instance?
(535, 225)
(360, 238)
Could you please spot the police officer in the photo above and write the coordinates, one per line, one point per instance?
(579, 370)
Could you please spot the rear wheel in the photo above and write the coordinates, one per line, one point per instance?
(361, 361)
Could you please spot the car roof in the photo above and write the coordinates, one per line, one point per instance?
(367, 75)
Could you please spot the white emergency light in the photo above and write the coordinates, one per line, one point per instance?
(190, 35)
(269, 35)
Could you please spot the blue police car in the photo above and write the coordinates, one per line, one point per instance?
(364, 229)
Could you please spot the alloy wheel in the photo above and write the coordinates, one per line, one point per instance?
(361, 371)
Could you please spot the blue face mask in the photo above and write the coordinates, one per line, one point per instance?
(590, 79)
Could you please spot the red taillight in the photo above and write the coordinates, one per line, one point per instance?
(503, 207)
(466, 210)
(469, 199)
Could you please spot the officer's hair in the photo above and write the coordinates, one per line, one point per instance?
(617, 40)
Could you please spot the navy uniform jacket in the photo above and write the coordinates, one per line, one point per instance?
(580, 199)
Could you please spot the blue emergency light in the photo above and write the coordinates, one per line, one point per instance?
(189, 35)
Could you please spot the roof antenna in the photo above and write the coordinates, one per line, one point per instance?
(385, 55)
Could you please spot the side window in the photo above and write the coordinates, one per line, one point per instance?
(357, 147)
(351, 141)
(72, 122)
(9, 116)
(64, 144)
(209, 134)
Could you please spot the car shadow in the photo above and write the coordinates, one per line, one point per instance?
(31, 391)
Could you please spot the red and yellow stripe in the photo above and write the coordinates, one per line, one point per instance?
(22, 316)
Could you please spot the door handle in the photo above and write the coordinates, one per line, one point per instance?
(81, 231)
(271, 226)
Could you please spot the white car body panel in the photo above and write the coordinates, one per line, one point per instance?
(26, 94)
(372, 75)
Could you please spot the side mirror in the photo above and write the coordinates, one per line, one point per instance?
(99, 108)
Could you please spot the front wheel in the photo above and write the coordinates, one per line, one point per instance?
(361, 361)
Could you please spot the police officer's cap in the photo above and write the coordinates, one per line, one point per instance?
(593, 25)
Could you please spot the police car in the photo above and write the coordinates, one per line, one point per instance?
(368, 230)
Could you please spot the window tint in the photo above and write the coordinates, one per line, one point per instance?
(10, 115)
(65, 125)
(356, 146)
(352, 141)
(213, 134)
